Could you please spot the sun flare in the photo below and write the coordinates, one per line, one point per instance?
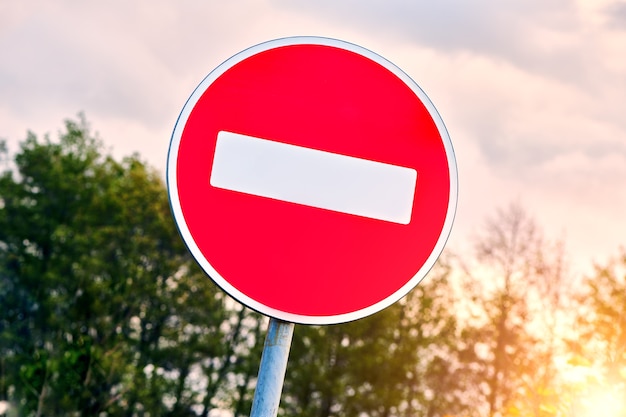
(602, 404)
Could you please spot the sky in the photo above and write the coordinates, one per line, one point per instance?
(532, 92)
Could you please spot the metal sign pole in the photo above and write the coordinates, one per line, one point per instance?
(272, 369)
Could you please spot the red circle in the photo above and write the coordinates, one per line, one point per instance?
(302, 260)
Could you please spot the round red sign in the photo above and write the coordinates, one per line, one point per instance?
(312, 180)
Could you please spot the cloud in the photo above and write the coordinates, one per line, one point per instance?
(616, 15)
(56, 63)
(523, 33)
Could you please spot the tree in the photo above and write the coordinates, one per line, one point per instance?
(600, 345)
(516, 286)
(398, 362)
(103, 310)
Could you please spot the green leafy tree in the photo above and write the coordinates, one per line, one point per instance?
(398, 362)
(103, 310)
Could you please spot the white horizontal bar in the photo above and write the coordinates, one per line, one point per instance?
(313, 178)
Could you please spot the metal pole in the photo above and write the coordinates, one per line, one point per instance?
(272, 369)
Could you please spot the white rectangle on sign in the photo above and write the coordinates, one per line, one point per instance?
(313, 178)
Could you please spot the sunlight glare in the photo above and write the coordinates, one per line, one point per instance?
(602, 404)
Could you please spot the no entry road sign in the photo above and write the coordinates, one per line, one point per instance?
(312, 180)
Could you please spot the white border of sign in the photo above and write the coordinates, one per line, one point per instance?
(223, 282)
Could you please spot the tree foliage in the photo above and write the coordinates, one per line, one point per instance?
(103, 311)
(516, 288)
(599, 350)
(398, 362)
